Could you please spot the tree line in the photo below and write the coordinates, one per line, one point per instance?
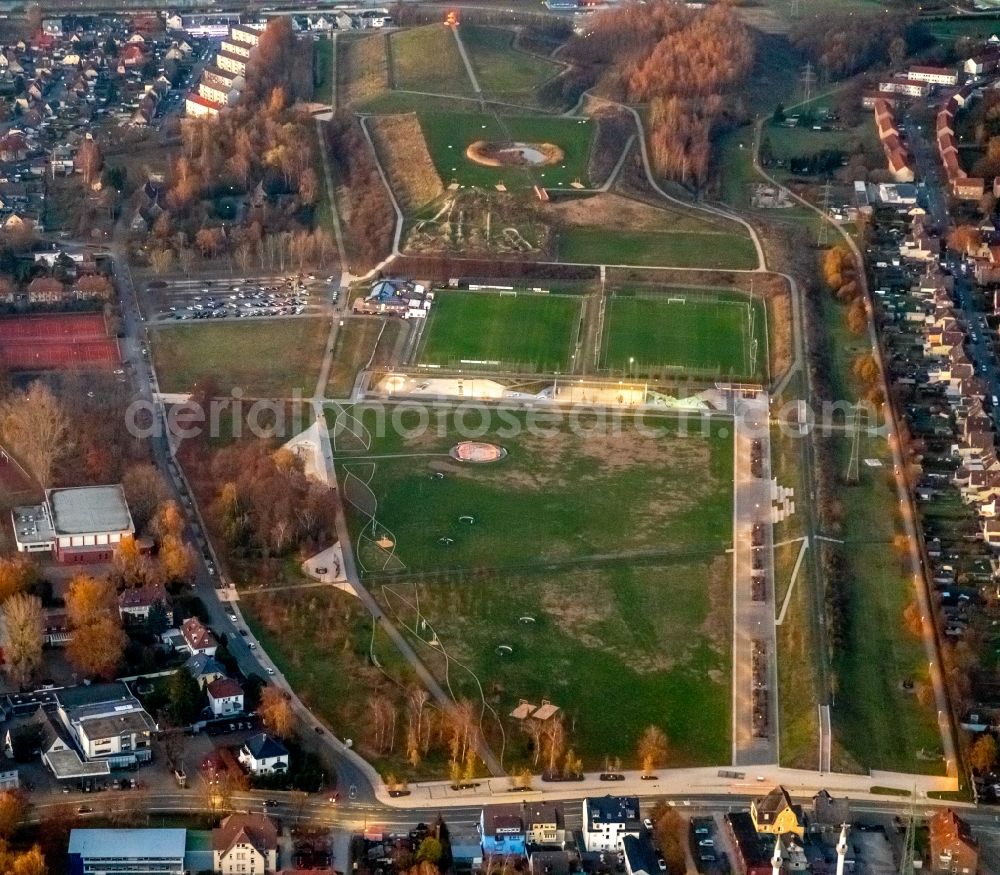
(258, 151)
(841, 44)
(367, 213)
(265, 505)
(686, 64)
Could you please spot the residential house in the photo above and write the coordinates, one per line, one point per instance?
(933, 75)
(775, 814)
(501, 830)
(752, 855)
(245, 843)
(968, 189)
(952, 847)
(608, 819)
(197, 639)
(263, 755)
(46, 290)
(13, 147)
(543, 823)
(640, 856)
(829, 813)
(135, 604)
(225, 697)
(204, 669)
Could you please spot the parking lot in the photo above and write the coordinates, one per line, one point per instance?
(247, 298)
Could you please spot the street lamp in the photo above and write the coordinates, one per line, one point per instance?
(631, 361)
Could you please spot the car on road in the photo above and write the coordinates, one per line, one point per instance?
(270, 803)
(661, 865)
(269, 670)
(84, 809)
(318, 730)
(648, 824)
(253, 646)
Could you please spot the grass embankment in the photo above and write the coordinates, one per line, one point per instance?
(427, 59)
(503, 71)
(404, 156)
(362, 69)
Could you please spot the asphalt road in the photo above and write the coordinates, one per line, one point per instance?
(349, 773)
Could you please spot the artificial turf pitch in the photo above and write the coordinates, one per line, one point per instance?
(525, 332)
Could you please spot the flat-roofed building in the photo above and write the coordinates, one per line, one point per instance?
(107, 723)
(82, 524)
(127, 851)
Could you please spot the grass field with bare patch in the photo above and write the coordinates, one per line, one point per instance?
(267, 358)
(611, 541)
(404, 156)
(549, 501)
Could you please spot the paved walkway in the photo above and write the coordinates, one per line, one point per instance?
(465, 60)
(754, 641)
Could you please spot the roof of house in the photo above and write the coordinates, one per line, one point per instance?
(937, 71)
(947, 828)
(748, 842)
(143, 596)
(771, 805)
(196, 635)
(95, 844)
(224, 688)
(202, 664)
(502, 817)
(88, 695)
(639, 855)
(612, 809)
(45, 285)
(543, 812)
(263, 747)
(115, 724)
(254, 829)
(89, 509)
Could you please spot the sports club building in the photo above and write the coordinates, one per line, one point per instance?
(78, 525)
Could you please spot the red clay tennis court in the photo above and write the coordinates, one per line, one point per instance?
(60, 340)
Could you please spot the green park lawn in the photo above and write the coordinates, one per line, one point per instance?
(427, 59)
(879, 723)
(269, 358)
(321, 640)
(710, 250)
(654, 638)
(613, 544)
(696, 335)
(448, 135)
(547, 502)
(501, 69)
(527, 332)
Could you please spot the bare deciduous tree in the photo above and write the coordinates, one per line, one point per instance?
(23, 618)
(36, 429)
